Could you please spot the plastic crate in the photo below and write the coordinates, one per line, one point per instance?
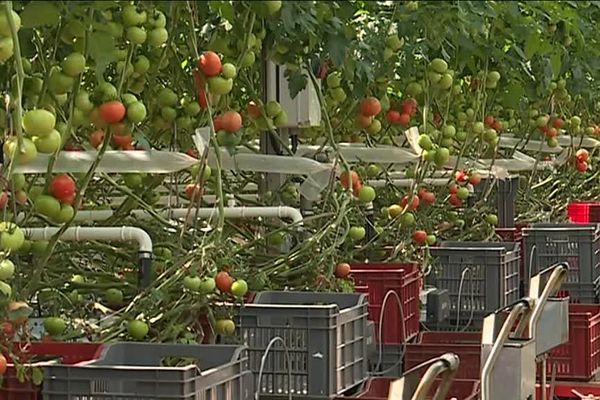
(378, 389)
(326, 335)
(569, 390)
(39, 354)
(134, 371)
(391, 360)
(467, 345)
(491, 282)
(579, 359)
(581, 293)
(377, 279)
(584, 212)
(577, 244)
(515, 235)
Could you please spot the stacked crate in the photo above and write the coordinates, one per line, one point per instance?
(324, 345)
(576, 244)
(480, 277)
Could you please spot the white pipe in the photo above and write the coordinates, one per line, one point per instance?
(78, 234)
(203, 213)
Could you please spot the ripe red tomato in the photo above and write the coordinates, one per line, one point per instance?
(62, 187)
(497, 126)
(193, 191)
(210, 64)
(454, 200)
(202, 99)
(414, 202)
(124, 142)
(232, 121)
(581, 166)
(96, 138)
(253, 110)
(347, 177)
(551, 132)
(582, 155)
(112, 112)
(404, 119)
(370, 107)
(2, 364)
(475, 179)
(557, 123)
(393, 117)
(428, 198)
(489, 121)
(224, 281)
(8, 329)
(460, 176)
(192, 152)
(3, 200)
(356, 189)
(409, 106)
(420, 237)
(342, 270)
(363, 121)
(453, 188)
(218, 122)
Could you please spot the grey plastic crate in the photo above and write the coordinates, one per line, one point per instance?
(472, 323)
(505, 196)
(134, 371)
(391, 361)
(582, 293)
(326, 335)
(491, 282)
(576, 244)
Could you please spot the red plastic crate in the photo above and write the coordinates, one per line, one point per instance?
(514, 235)
(466, 345)
(580, 358)
(584, 212)
(378, 388)
(568, 390)
(67, 353)
(377, 279)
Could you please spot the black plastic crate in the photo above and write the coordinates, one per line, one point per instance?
(576, 244)
(485, 274)
(326, 335)
(136, 371)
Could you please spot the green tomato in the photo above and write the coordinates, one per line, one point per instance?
(39, 122)
(167, 97)
(48, 144)
(82, 101)
(136, 112)
(408, 219)
(47, 206)
(192, 283)
(26, 154)
(67, 212)
(157, 37)
(366, 194)
(425, 142)
(54, 326)
(137, 329)
(136, 35)
(141, 65)
(219, 86)
(7, 270)
(192, 109)
(239, 288)
(438, 65)
(357, 233)
(5, 26)
(114, 297)
(228, 71)
(74, 64)
(7, 48)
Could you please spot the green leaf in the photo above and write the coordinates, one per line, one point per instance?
(223, 8)
(296, 82)
(37, 376)
(336, 47)
(512, 96)
(40, 13)
(103, 50)
(532, 44)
